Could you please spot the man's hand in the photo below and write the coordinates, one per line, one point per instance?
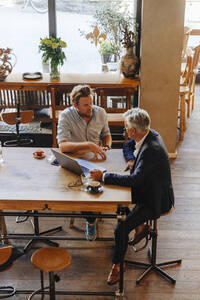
(96, 150)
(129, 165)
(96, 175)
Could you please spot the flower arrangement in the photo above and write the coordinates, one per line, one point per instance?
(108, 47)
(52, 50)
(129, 38)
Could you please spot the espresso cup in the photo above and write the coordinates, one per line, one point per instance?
(94, 186)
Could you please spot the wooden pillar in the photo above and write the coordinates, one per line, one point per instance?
(161, 46)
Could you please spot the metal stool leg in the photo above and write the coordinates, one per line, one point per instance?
(152, 265)
(52, 286)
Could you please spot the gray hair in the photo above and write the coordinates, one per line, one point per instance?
(137, 118)
(80, 91)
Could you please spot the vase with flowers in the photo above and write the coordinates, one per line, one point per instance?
(129, 62)
(52, 49)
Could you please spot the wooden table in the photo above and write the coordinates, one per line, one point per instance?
(30, 184)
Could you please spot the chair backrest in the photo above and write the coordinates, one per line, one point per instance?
(196, 56)
(60, 100)
(114, 100)
(29, 96)
(187, 72)
(186, 35)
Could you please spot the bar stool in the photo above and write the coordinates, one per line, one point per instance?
(8, 255)
(49, 259)
(151, 253)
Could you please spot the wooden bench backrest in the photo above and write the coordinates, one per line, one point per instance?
(30, 96)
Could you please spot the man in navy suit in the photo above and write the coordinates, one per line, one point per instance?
(149, 179)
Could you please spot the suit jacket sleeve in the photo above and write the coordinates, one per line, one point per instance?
(146, 165)
(128, 149)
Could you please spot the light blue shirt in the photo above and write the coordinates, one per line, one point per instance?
(72, 127)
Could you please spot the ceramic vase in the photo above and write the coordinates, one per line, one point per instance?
(129, 64)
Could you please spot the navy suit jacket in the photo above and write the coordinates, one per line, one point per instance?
(150, 179)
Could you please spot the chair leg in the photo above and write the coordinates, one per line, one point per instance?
(71, 223)
(182, 117)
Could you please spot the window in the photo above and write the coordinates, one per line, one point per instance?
(21, 29)
(24, 22)
(192, 19)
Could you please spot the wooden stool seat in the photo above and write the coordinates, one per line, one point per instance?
(51, 259)
(5, 254)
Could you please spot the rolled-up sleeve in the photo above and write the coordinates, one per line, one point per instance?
(105, 130)
(63, 130)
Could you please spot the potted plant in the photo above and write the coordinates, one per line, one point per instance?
(52, 51)
(111, 19)
(107, 50)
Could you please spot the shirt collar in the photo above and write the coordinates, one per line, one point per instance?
(139, 144)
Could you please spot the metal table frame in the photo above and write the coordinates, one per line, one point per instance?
(121, 216)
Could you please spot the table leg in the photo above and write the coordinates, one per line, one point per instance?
(121, 218)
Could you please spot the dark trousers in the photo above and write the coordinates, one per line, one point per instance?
(136, 217)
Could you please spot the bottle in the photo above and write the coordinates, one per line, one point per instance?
(1, 154)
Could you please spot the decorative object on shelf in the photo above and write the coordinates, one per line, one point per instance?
(32, 76)
(52, 51)
(129, 62)
(95, 36)
(6, 65)
(109, 53)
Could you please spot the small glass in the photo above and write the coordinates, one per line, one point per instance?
(85, 181)
(50, 156)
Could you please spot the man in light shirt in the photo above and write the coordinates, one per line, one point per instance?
(84, 126)
(149, 179)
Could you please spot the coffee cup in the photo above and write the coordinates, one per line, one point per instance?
(94, 186)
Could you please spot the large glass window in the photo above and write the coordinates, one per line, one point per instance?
(21, 28)
(192, 20)
(24, 22)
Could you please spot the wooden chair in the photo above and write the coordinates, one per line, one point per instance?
(195, 63)
(184, 94)
(189, 78)
(17, 118)
(50, 259)
(186, 35)
(24, 99)
(59, 101)
(153, 265)
(115, 101)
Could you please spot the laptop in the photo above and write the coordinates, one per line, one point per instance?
(78, 166)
